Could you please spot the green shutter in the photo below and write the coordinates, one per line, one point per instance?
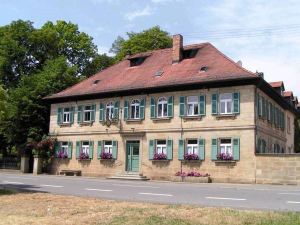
(114, 149)
(170, 106)
(214, 148)
(93, 113)
(99, 149)
(201, 147)
(78, 143)
(101, 112)
(59, 115)
(169, 149)
(142, 109)
(126, 109)
(91, 150)
(236, 148)
(151, 149)
(263, 108)
(152, 108)
(268, 110)
(181, 106)
(72, 115)
(236, 102)
(116, 110)
(181, 149)
(202, 105)
(271, 112)
(79, 114)
(214, 104)
(259, 105)
(70, 148)
(56, 148)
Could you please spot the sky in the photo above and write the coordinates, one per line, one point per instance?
(264, 35)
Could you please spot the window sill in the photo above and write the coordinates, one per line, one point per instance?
(191, 161)
(134, 121)
(160, 160)
(185, 118)
(62, 158)
(83, 160)
(65, 124)
(107, 160)
(225, 161)
(161, 119)
(226, 116)
(86, 123)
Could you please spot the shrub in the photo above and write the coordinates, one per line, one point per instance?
(191, 174)
(62, 155)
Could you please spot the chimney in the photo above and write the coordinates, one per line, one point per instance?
(177, 48)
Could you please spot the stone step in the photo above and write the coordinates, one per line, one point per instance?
(129, 177)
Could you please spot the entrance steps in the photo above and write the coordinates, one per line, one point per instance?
(129, 176)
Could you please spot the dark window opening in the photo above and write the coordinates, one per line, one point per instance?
(190, 53)
(204, 68)
(137, 61)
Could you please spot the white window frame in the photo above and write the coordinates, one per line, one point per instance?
(66, 115)
(135, 104)
(64, 147)
(108, 147)
(193, 104)
(192, 148)
(226, 146)
(109, 110)
(163, 101)
(161, 148)
(85, 111)
(226, 101)
(85, 148)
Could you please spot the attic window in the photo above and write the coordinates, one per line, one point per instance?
(190, 53)
(96, 81)
(159, 73)
(203, 69)
(137, 61)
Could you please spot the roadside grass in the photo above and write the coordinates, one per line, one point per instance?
(6, 192)
(41, 208)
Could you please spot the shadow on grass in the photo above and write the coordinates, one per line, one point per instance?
(11, 189)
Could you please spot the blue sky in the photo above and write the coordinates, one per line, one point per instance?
(264, 35)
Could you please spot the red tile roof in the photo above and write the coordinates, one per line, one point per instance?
(288, 94)
(276, 84)
(121, 76)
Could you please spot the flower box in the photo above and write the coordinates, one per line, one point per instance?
(225, 161)
(192, 179)
(160, 156)
(106, 156)
(224, 157)
(84, 156)
(188, 157)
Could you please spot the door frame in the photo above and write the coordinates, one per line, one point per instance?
(126, 156)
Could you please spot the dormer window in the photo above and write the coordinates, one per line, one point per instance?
(190, 53)
(137, 61)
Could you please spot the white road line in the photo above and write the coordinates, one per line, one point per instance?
(49, 185)
(232, 199)
(11, 182)
(155, 194)
(289, 193)
(94, 189)
(128, 185)
(292, 202)
(24, 178)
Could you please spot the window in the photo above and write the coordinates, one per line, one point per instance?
(192, 146)
(135, 109)
(288, 124)
(161, 147)
(85, 147)
(226, 146)
(66, 115)
(64, 148)
(162, 107)
(192, 106)
(87, 113)
(226, 103)
(137, 61)
(108, 147)
(260, 102)
(109, 111)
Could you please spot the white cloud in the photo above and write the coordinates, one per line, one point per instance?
(147, 11)
(165, 1)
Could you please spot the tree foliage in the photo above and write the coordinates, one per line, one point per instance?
(3, 104)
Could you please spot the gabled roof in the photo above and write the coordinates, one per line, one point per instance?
(122, 77)
(276, 84)
(288, 94)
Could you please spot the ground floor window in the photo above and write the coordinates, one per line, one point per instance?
(161, 147)
(85, 147)
(226, 146)
(108, 147)
(192, 146)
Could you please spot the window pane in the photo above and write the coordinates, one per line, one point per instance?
(159, 110)
(222, 107)
(226, 96)
(137, 112)
(195, 150)
(192, 141)
(222, 149)
(87, 108)
(228, 150)
(132, 112)
(192, 99)
(196, 109)
(190, 109)
(189, 149)
(165, 110)
(161, 142)
(87, 116)
(229, 106)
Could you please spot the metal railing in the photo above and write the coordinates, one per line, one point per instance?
(10, 163)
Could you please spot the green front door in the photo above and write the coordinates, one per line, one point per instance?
(133, 155)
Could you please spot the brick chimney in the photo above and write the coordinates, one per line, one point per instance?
(177, 48)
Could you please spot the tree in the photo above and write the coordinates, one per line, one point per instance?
(3, 104)
(151, 39)
(99, 63)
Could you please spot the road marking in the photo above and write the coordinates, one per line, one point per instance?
(49, 185)
(292, 202)
(232, 199)
(289, 193)
(24, 178)
(11, 182)
(155, 194)
(94, 189)
(128, 185)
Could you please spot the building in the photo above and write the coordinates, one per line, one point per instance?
(191, 106)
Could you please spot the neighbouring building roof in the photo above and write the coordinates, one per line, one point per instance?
(276, 84)
(288, 94)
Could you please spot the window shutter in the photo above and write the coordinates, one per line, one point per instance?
(263, 108)
(93, 113)
(201, 147)
(257, 104)
(70, 148)
(236, 102)
(202, 105)
(181, 149)
(99, 149)
(101, 112)
(214, 104)
(56, 148)
(271, 113)
(78, 149)
(114, 149)
(214, 148)
(181, 106)
(91, 150)
(236, 148)
(125, 109)
(72, 115)
(151, 149)
(142, 109)
(152, 108)
(268, 111)
(79, 114)
(59, 115)
(116, 110)
(170, 106)
(283, 121)
(258, 147)
(169, 149)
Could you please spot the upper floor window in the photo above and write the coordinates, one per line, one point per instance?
(192, 146)
(135, 109)
(87, 113)
(161, 147)
(226, 103)
(66, 115)
(226, 146)
(162, 107)
(110, 110)
(192, 106)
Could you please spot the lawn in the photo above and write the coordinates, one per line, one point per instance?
(41, 208)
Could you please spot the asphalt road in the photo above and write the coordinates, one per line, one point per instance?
(264, 197)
